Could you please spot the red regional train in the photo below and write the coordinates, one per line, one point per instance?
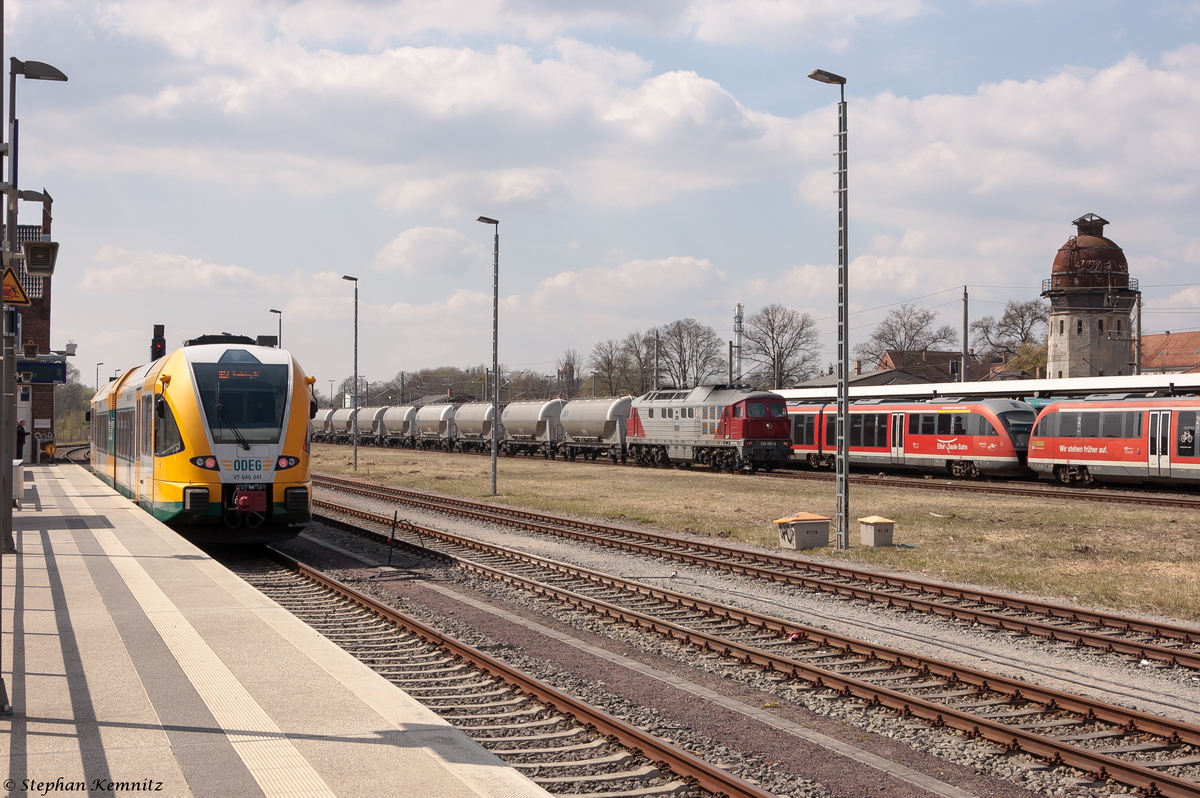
(1117, 438)
(726, 427)
(967, 438)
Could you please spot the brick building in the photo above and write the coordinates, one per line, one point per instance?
(35, 403)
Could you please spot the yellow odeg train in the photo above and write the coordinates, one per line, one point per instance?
(213, 437)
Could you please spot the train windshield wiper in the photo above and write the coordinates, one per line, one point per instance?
(241, 439)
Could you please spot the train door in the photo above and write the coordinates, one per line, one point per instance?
(145, 446)
(1159, 444)
(897, 438)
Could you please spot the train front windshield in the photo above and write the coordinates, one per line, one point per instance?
(1018, 423)
(243, 402)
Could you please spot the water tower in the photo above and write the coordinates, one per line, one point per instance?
(1091, 305)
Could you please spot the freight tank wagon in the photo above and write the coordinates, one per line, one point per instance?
(596, 427)
(436, 428)
(532, 427)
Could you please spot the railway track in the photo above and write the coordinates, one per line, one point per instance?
(1154, 755)
(1169, 644)
(1007, 488)
(565, 745)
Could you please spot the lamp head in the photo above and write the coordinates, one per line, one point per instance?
(36, 70)
(486, 220)
(827, 77)
(348, 277)
(280, 312)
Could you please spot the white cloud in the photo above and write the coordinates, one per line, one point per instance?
(429, 250)
(783, 22)
(196, 28)
(125, 272)
(664, 283)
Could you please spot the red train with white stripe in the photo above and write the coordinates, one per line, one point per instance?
(1118, 438)
(967, 438)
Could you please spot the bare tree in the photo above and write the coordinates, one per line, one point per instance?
(906, 329)
(569, 378)
(610, 362)
(785, 345)
(689, 352)
(1022, 323)
(638, 362)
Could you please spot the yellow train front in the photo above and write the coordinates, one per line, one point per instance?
(213, 438)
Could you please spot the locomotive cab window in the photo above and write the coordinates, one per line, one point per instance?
(243, 402)
(756, 410)
(737, 411)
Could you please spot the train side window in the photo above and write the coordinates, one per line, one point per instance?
(1068, 425)
(928, 424)
(691, 412)
(1112, 425)
(856, 430)
(167, 439)
(943, 423)
(958, 424)
(1089, 425)
(1133, 424)
(914, 424)
(1186, 426)
(830, 430)
(650, 413)
(737, 411)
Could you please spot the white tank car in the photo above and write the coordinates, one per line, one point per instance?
(596, 427)
(341, 425)
(370, 422)
(435, 427)
(322, 425)
(399, 426)
(473, 422)
(533, 427)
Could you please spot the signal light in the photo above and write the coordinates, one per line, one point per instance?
(158, 343)
(209, 463)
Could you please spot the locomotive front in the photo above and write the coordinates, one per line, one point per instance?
(242, 469)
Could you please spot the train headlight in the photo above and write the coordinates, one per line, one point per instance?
(284, 463)
(208, 463)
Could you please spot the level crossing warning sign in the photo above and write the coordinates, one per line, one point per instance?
(14, 292)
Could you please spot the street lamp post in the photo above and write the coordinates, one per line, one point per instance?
(331, 393)
(495, 346)
(32, 70)
(842, 482)
(354, 425)
(98, 365)
(279, 340)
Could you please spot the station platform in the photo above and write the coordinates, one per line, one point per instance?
(137, 664)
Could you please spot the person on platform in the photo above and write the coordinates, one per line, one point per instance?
(22, 434)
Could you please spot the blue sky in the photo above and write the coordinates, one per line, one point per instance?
(648, 161)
